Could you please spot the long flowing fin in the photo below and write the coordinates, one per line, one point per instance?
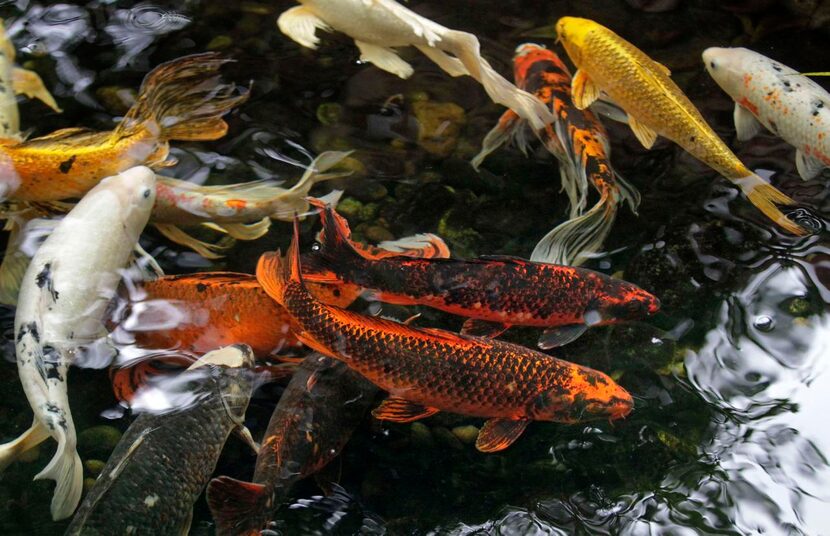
(29, 84)
(183, 99)
(466, 48)
(501, 134)
(34, 436)
(333, 246)
(765, 197)
(205, 249)
(236, 505)
(270, 273)
(66, 470)
(572, 242)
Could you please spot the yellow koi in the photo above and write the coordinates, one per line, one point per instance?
(655, 105)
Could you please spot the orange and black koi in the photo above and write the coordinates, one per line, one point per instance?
(428, 370)
(580, 143)
(493, 292)
(314, 419)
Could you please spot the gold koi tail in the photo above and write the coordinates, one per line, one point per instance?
(183, 99)
(766, 198)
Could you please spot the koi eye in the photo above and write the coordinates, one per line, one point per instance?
(712, 65)
(146, 193)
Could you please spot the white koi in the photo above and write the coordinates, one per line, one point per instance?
(380, 26)
(63, 298)
(770, 94)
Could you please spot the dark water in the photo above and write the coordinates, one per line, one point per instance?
(729, 434)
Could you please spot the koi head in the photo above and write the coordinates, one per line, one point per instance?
(135, 192)
(589, 395)
(572, 32)
(727, 66)
(620, 301)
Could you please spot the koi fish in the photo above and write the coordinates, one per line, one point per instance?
(380, 26)
(314, 419)
(182, 99)
(580, 143)
(189, 314)
(429, 370)
(769, 94)
(17, 81)
(493, 292)
(60, 314)
(163, 461)
(656, 106)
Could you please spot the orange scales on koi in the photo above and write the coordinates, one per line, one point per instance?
(182, 99)
(428, 370)
(579, 141)
(493, 292)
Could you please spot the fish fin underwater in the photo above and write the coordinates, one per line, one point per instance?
(498, 434)
(29, 84)
(384, 58)
(234, 503)
(32, 437)
(208, 250)
(767, 198)
(301, 24)
(400, 410)
(483, 328)
(183, 100)
(561, 335)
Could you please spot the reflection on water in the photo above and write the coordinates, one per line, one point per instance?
(731, 381)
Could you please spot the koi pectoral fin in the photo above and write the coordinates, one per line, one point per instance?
(561, 335)
(643, 133)
(384, 58)
(498, 434)
(300, 24)
(746, 125)
(483, 328)
(29, 83)
(808, 166)
(245, 435)
(401, 410)
(584, 91)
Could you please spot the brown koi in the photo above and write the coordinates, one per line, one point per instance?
(429, 370)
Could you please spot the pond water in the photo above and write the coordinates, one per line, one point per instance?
(731, 379)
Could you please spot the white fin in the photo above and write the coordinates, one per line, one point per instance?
(808, 167)
(466, 48)
(643, 133)
(301, 24)
(572, 171)
(242, 231)
(628, 193)
(509, 124)
(573, 242)
(34, 436)
(583, 90)
(66, 470)
(451, 66)
(418, 242)
(746, 125)
(146, 264)
(384, 58)
(245, 435)
(29, 83)
(205, 249)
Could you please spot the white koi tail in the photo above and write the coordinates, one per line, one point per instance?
(766, 197)
(466, 49)
(11, 451)
(66, 470)
(574, 241)
(511, 129)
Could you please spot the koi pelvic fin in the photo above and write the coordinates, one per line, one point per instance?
(498, 434)
(561, 335)
(237, 506)
(183, 99)
(29, 84)
(401, 410)
(765, 197)
(483, 328)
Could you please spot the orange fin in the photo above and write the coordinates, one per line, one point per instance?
(583, 90)
(483, 328)
(234, 504)
(400, 410)
(498, 434)
(269, 273)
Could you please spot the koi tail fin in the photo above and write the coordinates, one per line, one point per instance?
(67, 472)
(510, 129)
(183, 99)
(333, 246)
(765, 197)
(572, 242)
(34, 436)
(466, 48)
(274, 274)
(238, 508)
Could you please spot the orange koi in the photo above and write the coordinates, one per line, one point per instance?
(429, 370)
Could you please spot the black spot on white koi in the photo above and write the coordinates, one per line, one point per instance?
(66, 165)
(30, 328)
(54, 409)
(51, 363)
(777, 67)
(44, 280)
